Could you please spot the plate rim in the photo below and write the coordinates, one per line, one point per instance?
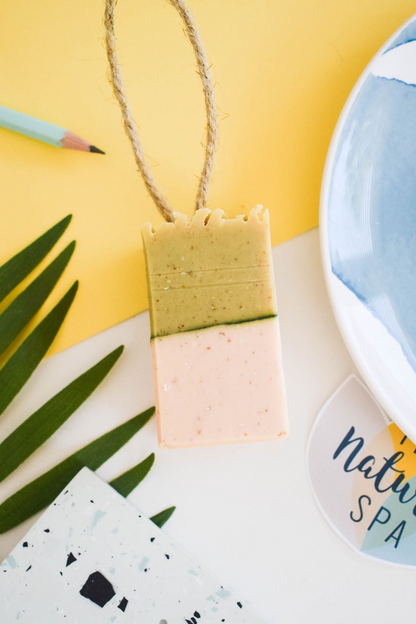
(370, 379)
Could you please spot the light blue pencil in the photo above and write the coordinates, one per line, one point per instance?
(43, 131)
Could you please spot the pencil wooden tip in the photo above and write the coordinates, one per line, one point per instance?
(96, 150)
(73, 141)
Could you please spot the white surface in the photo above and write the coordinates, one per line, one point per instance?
(245, 511)
(377, 354)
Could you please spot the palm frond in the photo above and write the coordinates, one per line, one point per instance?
(42, 491)
(18, 314)
(28, 356)
(15, 270)
(36, 429)
(43, 423)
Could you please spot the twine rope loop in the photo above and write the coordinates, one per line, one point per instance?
(212, 124)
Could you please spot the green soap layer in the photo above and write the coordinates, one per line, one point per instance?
(200, 330)
(210, 272)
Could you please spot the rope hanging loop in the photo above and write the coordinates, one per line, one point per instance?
(212, 123)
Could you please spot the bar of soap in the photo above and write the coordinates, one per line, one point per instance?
(215, 330)
(92, 558)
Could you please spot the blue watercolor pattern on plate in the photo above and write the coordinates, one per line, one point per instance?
(407, 35)
(372, 204)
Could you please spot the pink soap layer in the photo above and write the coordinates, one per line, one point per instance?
(220, 385)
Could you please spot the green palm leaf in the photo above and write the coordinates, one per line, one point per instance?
(24, 440)
(17, 268)
(162, 517)
(36, 429)
(125, 483)
(23, 362)
(25, 306)
(42, 491)
(128, 481)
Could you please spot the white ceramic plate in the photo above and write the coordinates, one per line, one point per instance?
(368, 226)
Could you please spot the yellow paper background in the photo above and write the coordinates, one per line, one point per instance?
(283, 70)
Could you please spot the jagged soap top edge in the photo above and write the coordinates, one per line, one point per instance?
(208, 218)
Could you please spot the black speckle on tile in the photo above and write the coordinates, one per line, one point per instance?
(98, 589)
(70, 559)
(28, 568)
(167, 556)
(152, 539)
(197, 615)
(240, 605)
(123, 604)
(91, 501)
(46, 530)
(193, 620)
(25, 544)
(61, 573)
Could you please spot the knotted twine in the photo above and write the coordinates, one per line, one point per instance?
(212, 127)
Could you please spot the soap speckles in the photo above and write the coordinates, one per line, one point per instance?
(221, 377)
(11, 561)
(143, 564)
(70, 559)
(98, 589)
(190, 270)
(193, 618)
(123, 604)
(223, 593)
(97, 517)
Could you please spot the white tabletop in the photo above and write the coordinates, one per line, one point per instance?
(246, 511)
